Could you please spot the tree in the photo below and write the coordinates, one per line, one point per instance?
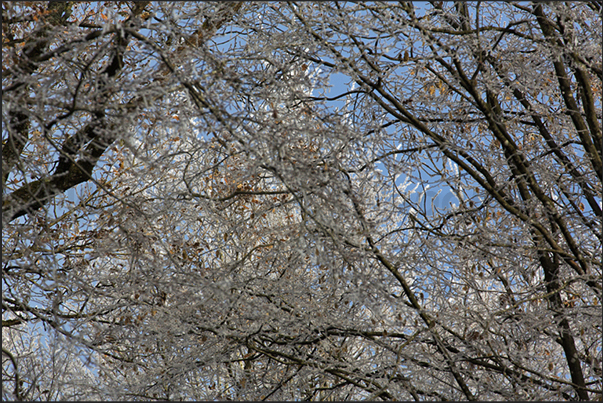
(302, 201)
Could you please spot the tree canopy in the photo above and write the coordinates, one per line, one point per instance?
(302, 200)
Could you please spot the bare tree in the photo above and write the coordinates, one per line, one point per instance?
(257, 201)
